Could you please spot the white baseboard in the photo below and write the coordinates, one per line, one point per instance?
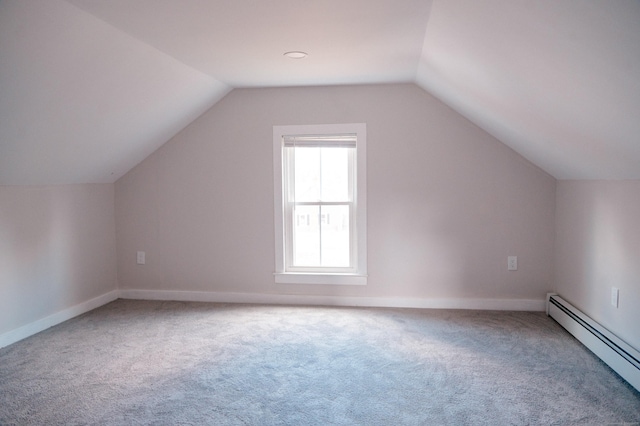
(537, 305)
(272, 299)
(55, 319)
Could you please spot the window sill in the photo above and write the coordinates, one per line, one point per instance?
(330, 279)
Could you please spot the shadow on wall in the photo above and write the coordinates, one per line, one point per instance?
(598, 241)
(39, 231)
(611, 248)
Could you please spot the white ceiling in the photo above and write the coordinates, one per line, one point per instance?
(89, 88)
(241, 42)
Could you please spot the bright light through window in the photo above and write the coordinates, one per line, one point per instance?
(322, 200)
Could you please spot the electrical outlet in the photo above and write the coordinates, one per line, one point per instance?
(140, 258)
(512, 263)
(615, 297)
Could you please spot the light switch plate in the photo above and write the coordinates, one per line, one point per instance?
(141, 258)
(512, 263)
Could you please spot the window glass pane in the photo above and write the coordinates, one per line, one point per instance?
(334, 223)
(306, 236)
(321, 174)
(321, 236)
(307, 173)
(334, 168)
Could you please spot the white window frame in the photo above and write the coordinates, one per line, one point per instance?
(357, 274)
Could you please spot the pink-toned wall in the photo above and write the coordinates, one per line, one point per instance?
(447, 202)
(597, 248)
(57, 250)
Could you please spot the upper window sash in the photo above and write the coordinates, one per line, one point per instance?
(288, 162)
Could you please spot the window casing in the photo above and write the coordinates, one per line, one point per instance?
(320, 204)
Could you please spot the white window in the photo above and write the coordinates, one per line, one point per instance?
(320, 204)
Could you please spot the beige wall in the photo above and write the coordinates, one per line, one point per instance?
(57, 249)
(447, 202)
(598, 247)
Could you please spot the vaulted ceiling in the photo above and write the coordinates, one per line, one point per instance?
(89, 88)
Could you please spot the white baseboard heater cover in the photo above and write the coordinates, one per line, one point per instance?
(621, 357)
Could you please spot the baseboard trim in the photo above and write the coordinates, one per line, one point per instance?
(537, 305)
(42, 324)
(272, 299)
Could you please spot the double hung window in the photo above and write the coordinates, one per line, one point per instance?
(320, 204)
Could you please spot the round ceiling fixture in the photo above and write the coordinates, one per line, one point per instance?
(296, 54)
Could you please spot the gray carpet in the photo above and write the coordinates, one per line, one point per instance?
(141, 362)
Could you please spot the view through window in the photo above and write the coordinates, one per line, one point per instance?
(321, 203)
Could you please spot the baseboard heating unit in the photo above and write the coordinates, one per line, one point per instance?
(621, 357)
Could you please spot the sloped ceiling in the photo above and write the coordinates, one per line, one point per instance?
(89, 88)
(83, 102)
(557, 80)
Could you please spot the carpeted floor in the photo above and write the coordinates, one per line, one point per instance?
(143, 362)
